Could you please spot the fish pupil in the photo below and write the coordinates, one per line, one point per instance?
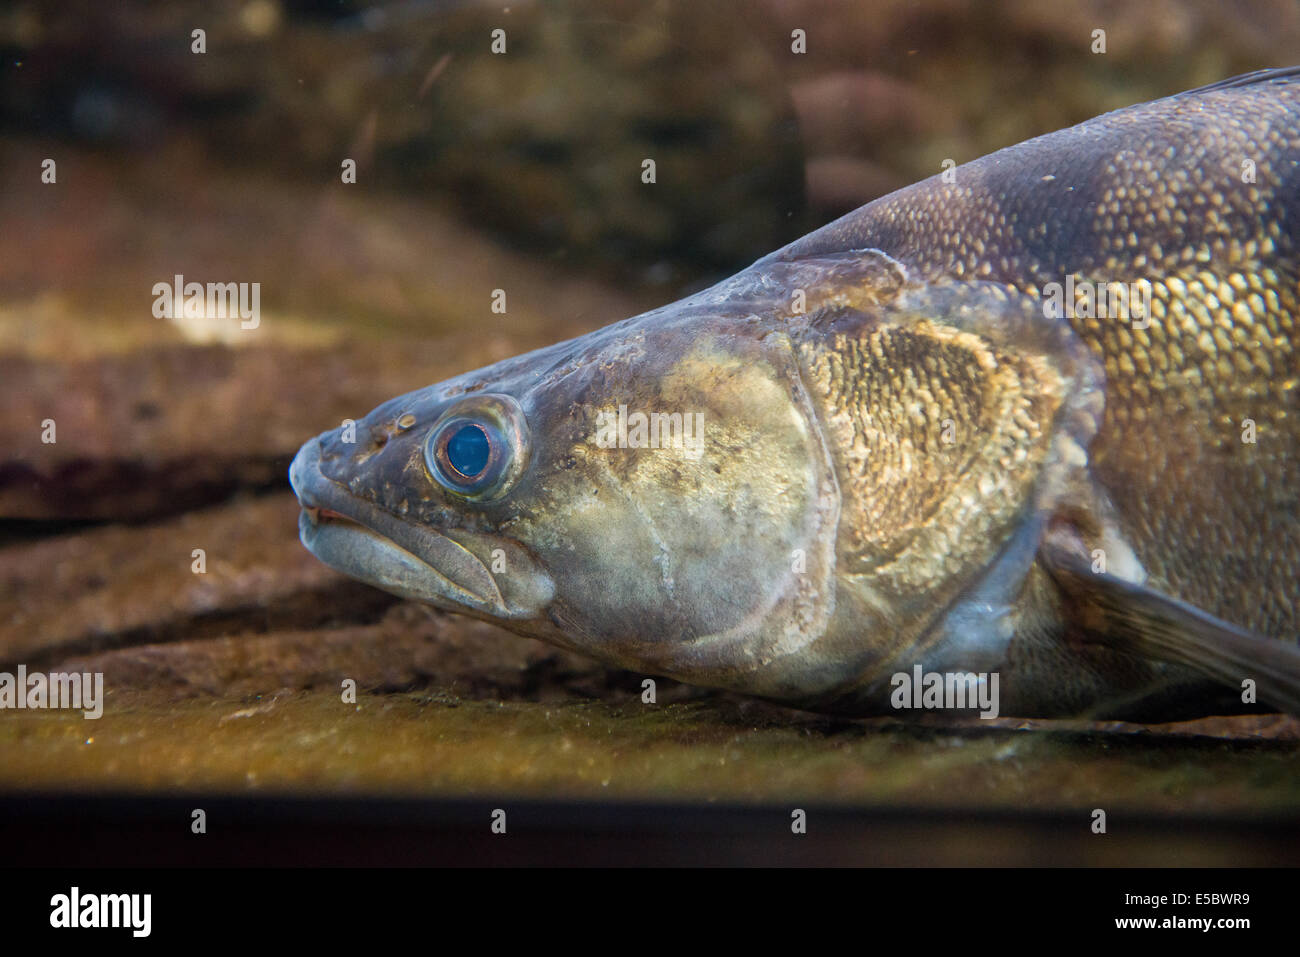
(468, 450)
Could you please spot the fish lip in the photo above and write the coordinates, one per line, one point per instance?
(458, 582)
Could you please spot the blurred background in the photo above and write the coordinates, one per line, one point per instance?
(474, 171)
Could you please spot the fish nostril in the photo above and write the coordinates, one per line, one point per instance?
(375, 445)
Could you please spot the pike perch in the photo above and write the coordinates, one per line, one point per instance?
(1035, 418)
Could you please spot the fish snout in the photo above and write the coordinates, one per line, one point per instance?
(304, 470)
(457, 569)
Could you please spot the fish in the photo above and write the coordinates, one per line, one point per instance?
(1019, 439)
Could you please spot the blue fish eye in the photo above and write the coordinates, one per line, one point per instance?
(479, 447)
(468, 450)
(468, 456)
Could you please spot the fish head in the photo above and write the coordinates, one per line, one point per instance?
(727, 491)
(654, 494)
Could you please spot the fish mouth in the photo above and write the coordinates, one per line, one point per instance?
(373, 545)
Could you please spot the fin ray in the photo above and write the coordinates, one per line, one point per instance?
(1247, 79)
(1136, 620)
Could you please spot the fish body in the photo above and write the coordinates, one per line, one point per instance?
(1033, 420)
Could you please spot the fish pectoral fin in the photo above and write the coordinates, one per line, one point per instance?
(1136, 620)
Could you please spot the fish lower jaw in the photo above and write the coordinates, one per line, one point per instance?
(360, 552)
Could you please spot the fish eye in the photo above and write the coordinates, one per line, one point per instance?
(477, 448)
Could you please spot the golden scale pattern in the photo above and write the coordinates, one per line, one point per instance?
(947, 433)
